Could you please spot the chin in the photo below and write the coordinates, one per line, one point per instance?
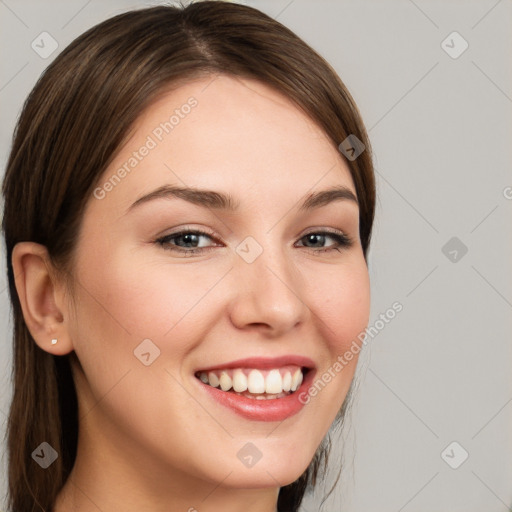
(279, 469)
(264, 477)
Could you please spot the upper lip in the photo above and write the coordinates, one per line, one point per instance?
(263, 363)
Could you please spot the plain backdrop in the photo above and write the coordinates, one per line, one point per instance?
(430, 429)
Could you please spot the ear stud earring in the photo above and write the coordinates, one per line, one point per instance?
(54, 341)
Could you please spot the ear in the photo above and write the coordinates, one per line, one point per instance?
(42, 298)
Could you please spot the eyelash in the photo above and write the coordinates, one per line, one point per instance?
(342, 241)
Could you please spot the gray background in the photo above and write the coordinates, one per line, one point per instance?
(441, 129)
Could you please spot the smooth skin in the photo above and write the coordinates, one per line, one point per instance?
(150, 437)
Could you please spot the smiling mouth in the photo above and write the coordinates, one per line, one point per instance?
(258, 384)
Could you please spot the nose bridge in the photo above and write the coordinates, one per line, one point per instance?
(268, 286)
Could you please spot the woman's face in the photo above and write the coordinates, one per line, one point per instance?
(158, 306)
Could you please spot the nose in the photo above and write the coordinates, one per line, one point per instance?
(269, 294)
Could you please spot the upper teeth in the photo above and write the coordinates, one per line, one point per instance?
(273, 381)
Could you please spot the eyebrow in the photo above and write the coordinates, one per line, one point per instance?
(221, 201)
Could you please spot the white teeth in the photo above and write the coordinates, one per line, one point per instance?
(287, 381)
(296, 380)
(274, 382)
(256, 382)
(225, 382)
(239, 381)
(301, 378)
(213, 380)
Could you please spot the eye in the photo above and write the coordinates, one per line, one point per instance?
(186, 242)
(317, 238)
(189, 242)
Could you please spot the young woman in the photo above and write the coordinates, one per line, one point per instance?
(188, 207)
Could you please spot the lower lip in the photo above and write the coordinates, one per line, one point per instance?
(276, 409)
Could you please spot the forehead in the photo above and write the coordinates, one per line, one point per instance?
(226, 133)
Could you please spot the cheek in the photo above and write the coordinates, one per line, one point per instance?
(144, 297)
(343, 305)
(342, 299)
(127, 298)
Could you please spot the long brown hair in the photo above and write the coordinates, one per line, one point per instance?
(73, 122)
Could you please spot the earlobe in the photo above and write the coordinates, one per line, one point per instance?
(41, 298)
